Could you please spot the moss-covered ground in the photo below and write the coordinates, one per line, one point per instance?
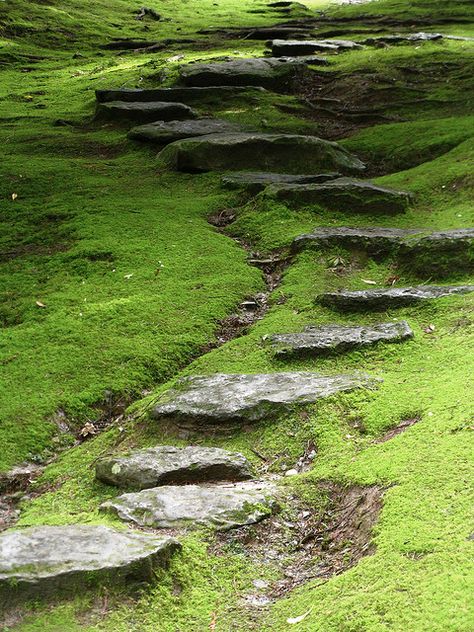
(113, 283)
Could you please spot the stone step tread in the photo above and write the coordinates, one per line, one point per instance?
(39, 555)
(289, 153)
(220, 506)
(177, 95)
(221, 398)
(163, 132)
(414, 37)
(390, 297)
(257, 181)
(144, 111)
(349, 193)
(320, 339)
(164, 465)
(283, 47)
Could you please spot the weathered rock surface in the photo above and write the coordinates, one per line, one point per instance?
(288, 153)
(391, 297)
(170, 465)
(177, 95)
(345, 194)
(144, 111)
(253, 182)
(51, 556)
(336, 338)
(164, 132)
(219, 506)
(223, 398)
(260, 33)
(413, 37)
(282, 47)
(267, 72)
(373, 240)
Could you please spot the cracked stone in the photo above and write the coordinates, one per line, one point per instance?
(258, 181)
(164, 132)
(143, 111)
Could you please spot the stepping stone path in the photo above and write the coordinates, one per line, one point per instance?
(167, 464)
(344, 194)
(178, 94)
(414, 37)
(315, 340)
(163, 132)
(46, 557)
(144, 112)
(223, 398)
(254, 182)
(222, 506)
(392, 297)
(288, 153)
(280, 47)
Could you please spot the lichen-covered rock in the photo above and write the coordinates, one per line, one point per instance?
(166, 465)
(344, 194)
(267, 72)
(391, 297)
(286, 153)
(337, 338)
(254, 182)
(221, 398)
(178, 94)
(49, 557)
(143, 111)
(164, 132)
(282, 47)
(222, 506)
(440, 252)
(373, 240)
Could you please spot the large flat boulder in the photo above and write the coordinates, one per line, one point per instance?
(295, 48)
(344, 194)
(391, 297)
(218, 506)
(50, 557)
(166, 464)
(267, 72)
(254, 182)
(286, 153)
(261, 33)
(193, 95)
(314, 341)
(143, 111)
(375, 240)
(223, 398)
(164, 132)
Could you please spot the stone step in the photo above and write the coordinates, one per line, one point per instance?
(223, 506)
(254, 182)
(391, 297)
(164, 132)
(373, 239)
(143, 111)
(46, 558)
(414, 38)
(345, 194)
(288, 153)
(267, 72)
(224, 398)
(261, 33)
(178, 95)
(164, 465)
(314, 340)
(295, 48)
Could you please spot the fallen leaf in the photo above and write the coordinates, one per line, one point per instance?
(212, 625)
(302, 617)
(128, 276)
(392, 280)
(40, 304)
(430, 329)
(14, 196)
(369, 282)
(88, 430)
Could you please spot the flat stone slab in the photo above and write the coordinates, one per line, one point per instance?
(218, 506)
(391, 297)
(414, 37)
(164, 132)
(177, 95)
(286, 153)
(223, 398)
(337, 338)
(375, 240)
(345, 194)
(254, 182)
(144, 112)
(48, 556)
(282, 47)
(260, 33)
(170, 465)
(267, 72)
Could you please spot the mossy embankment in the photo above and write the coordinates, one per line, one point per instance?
(114, 281)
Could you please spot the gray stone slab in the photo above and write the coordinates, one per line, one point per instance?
(48, 557)
(223, 398)
(372, 239)
(254, 182)
(165, 465)
(295, 48)
(399, 38)
(222, 507)
(164, 132)
(316, 340)
(143, 111)
(194, 95)
(391, 297)
(344, 194)
(286, 153)
(267, 72)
